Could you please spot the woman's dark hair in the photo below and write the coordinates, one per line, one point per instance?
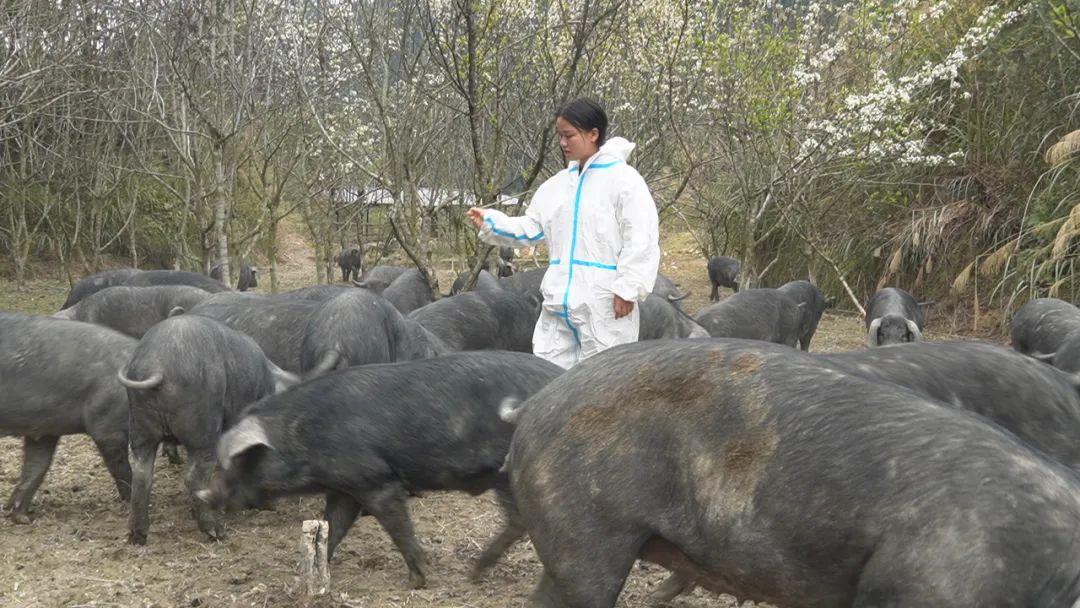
(586, 115)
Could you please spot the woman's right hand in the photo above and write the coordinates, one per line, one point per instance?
(476, 214)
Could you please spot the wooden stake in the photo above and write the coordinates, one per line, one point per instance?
(314, 569)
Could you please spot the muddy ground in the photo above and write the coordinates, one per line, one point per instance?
(74, 553)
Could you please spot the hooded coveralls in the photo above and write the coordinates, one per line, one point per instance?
(601, 227)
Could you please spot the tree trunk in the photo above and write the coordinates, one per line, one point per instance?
(132, 247)
(314, 567)
(189, 204)
(221, 210)
(18, 223)
(272, 250)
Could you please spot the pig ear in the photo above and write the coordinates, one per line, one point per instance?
(916, 335)
(242, 437)
(872, 333)
(283, 379)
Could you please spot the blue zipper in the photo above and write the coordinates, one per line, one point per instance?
(573, 245)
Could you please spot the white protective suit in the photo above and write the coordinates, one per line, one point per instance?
(601, 227)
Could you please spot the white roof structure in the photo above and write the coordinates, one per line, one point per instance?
(429, 197)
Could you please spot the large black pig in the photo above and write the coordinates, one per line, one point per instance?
(755, 471)
(368, 436)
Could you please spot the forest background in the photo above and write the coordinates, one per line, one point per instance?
(922, 143)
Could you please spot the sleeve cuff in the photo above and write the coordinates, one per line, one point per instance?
(485, 227)
(629, 293)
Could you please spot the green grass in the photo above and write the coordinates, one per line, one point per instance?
(42, 297)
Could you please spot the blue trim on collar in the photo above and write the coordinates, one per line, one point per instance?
(597, 166)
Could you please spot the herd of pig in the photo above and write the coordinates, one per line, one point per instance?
(922, 474)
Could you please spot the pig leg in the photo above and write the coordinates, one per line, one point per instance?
(114, 451)
(586, 559)
(548, 594)
(37, 456)
(111, 438)
(341, 512)
(201, 466)
(714, 295)
(513, 531)
(672, 587)
(387, 504)
(142, 454)
(199, 434)
(879, 583)
(545, 596)
(172, 452)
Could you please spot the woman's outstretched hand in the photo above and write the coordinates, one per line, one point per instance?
(476, 214)
(622, 307)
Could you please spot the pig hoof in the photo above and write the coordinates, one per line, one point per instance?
(20, 518)
(480, 568)
(136, 538)
(417, 581)
(672, 587)
(214, 530)
(266, 505)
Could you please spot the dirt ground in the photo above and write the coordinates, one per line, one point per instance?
(74, 553)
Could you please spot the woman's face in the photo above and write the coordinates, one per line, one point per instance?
(576, 144)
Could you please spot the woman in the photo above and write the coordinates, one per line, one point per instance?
(600, 224)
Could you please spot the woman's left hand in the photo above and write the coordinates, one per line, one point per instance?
(622, 307)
